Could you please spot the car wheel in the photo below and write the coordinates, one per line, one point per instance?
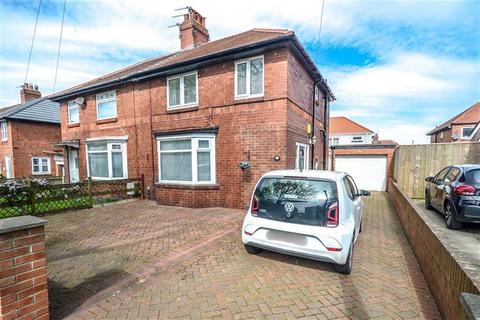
(347, 267)
(428, 201)
(450, 220)
(361, 224)
(252, 250)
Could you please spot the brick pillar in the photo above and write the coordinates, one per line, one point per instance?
(23, 269)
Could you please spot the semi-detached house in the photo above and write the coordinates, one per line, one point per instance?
(185, 121)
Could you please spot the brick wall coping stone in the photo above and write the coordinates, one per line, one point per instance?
(471, 303)
(20, 223)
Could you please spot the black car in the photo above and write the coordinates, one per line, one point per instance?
(455, 191)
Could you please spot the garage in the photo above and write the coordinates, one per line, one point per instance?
(368, 171)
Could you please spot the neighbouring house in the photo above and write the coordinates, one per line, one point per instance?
(28, 131)
(356, 149)
(187, 120)
(461, 128)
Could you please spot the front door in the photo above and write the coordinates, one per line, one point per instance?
(73, 165)
(8, 167)
(301, 162)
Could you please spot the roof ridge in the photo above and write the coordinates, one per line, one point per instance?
(272, 30)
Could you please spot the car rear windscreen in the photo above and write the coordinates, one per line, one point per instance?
(295, 200)
(472, 177)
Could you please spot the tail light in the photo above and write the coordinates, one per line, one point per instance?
(332, 215)
(255, 205)
(465, 190)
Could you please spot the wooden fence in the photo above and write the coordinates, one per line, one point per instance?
(25, 197)
(413, 163)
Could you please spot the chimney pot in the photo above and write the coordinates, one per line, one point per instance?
(29, 92)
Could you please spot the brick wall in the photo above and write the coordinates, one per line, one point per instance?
(444, 275)
(256, 127)
(23, 271)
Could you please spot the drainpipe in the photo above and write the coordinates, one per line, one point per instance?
(326, 120)
(312, 160)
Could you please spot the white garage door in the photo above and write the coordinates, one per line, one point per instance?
(369, 172)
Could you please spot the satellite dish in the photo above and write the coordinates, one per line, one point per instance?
(80, 101)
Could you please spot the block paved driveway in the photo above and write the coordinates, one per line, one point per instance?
(139, 260)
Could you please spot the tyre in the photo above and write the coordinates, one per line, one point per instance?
(361, 225)
(428, 203)
(252, 250)
(347, 267)
(450, 220)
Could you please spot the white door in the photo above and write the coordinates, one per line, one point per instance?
(369, 172)
(302, 159)
(73, 165)
(8, 167)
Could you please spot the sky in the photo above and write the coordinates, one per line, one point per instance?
(398, 67)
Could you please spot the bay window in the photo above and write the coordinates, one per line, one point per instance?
(73, 112)
(188, 159)
(41, 165)
(249, 78)
(106, 105)
(107, 160)
(182, 90)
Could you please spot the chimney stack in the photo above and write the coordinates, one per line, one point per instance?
(29, 92)
(192, 30)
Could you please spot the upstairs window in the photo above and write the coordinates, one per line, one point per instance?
(466, 132)
(73, 112)
(357, 139)
(106, 105)
(182, 90)
(41, 165)
(249, 78)
(4, 127)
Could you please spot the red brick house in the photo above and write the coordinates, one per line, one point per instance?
(185, 121)
(459, 128)
(356, 149)
(28, 131)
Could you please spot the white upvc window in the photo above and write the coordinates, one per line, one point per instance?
(106, 105)
(182, 90)
(73, 112)
(302, 158)
(357, 139)
(4, 125)
(41, 165)
(467, 131)
(249, 77)
(107, 160)
(187, 159)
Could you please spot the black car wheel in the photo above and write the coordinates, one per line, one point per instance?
(428, 201)
(450, 220)
(252, 250)
(348, 266)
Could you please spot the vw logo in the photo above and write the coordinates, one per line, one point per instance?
(289, 207)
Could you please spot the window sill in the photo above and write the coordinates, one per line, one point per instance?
(73, 125)
(239, 100)
(188, 186)
(4, 141)
(182, 109)
(110, 120)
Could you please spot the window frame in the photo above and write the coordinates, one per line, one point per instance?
(466, 136)
(73, 105)
(247, 94)
(361, 140)
(109, 158)
(194, 149)
(307, 155)
(182, 91)
(40, 166)
(4, 130)
(97, 101)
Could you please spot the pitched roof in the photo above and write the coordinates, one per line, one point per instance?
(41, 110)
(341, 125)
(239, 41)
(470, 115)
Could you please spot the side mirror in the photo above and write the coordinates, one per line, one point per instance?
(429, 179)
(365, 193)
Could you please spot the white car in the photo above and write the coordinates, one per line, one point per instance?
(312, 214)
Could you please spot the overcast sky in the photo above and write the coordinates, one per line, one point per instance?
(397, 67)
